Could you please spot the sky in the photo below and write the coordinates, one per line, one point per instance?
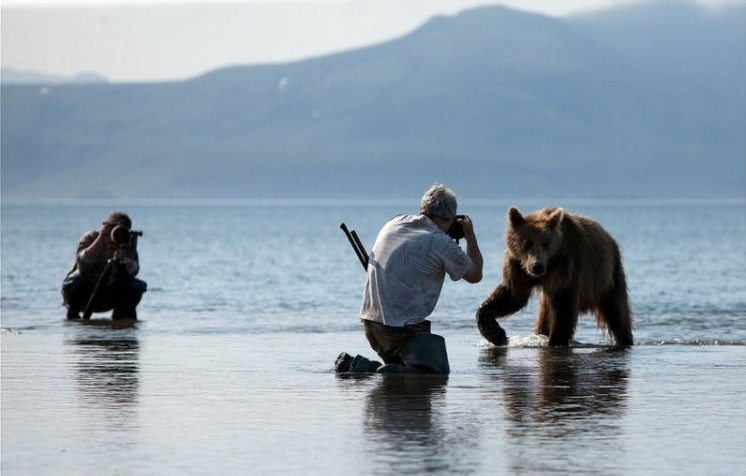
(146, 40)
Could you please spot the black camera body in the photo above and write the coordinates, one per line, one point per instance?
(123, 236)
(456, 231)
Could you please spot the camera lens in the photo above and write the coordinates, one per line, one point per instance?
(120, 235)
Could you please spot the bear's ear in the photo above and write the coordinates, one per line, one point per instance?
(556, 217)
(515, 219)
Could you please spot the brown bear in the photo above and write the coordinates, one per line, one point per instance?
(577, 267)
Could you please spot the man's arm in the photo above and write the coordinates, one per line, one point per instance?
(88, 250)
(130, 260)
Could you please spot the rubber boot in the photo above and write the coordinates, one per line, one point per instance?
(427, 353)
(346, 363)
(398, 369)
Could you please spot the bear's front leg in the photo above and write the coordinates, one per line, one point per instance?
(508, 298)
(505, 301)
(512, 294)
(562, 310)
(545, 317)
(502, 302)
(489, 328)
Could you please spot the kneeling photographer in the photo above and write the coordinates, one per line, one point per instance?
(407, 267)
(103, 276)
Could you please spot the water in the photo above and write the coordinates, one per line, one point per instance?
(228, 370)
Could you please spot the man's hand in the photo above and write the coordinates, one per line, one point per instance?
(474, 274)
(104, 233)
(467, 225)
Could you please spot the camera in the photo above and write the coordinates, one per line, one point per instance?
(122, 236)
(456, 231)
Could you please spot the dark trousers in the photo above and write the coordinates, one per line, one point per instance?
(412, 346)
(120, 294)
(389, 341)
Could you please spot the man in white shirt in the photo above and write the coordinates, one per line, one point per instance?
(407, 267)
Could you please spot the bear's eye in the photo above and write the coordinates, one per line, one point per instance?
(545, 244)
(528, 244)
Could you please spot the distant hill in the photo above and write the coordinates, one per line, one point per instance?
(18, 76)
(494, 102)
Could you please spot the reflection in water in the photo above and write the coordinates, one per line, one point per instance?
(568, 402)
(405, 428)
(107, 371)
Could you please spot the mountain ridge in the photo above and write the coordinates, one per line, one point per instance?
(534, 108)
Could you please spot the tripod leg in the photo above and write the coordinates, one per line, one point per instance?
(104, 275)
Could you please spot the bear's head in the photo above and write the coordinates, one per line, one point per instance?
(533, 239)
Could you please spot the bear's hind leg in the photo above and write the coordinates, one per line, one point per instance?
(614, 310)
(614, 313)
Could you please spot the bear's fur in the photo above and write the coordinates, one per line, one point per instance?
(576, 266)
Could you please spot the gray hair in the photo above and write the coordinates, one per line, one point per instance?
(438, 202)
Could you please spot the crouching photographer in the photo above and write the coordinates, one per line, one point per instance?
(103, 278)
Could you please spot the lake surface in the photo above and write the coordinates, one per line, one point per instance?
(228, 370)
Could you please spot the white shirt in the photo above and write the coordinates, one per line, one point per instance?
(407, 267)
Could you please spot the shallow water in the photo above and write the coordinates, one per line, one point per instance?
(97, 401)
(228, 370)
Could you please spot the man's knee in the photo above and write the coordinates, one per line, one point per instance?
(135, 289)
(427, 352)
(127, 297)
(75, 289)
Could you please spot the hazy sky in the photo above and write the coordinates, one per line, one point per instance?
(169, 39)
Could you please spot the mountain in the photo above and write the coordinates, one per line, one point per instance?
(682, 39)
(493, 102)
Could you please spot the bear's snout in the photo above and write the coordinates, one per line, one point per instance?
(537, 268)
